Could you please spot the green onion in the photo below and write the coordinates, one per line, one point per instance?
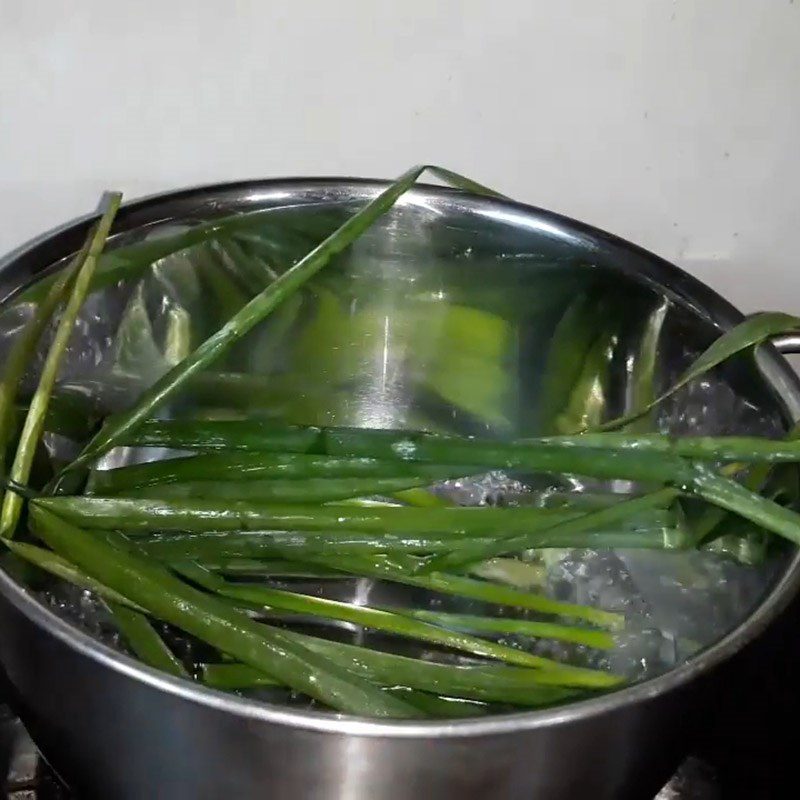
(603, 455)
(214, 545)
(61, 568)
(602, 518)
(517, 572)
(240, 676)
(145, 642)
(712, 517)
(404, 569)
(732, 496)
(260, 466)
(23, 349)
(432, 705)
(34, 420)
(265, 568)
(197, 515)
(163, 595)
(600, 640)
(399, 624)
(242, 466)
(491, 683)
(557, 454)
(425, 498)
(701, 448)
(313, 490)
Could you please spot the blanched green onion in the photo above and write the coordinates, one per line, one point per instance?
(34, 420)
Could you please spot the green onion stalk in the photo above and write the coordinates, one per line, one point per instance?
(34, 420)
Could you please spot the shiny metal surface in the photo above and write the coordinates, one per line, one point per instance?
(115, 728)
(788, 345)
(29, 777)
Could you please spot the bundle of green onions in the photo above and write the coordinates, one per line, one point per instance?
(169, 541)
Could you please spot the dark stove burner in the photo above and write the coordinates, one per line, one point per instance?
(27, 775)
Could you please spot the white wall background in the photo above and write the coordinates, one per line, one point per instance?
(674, 123)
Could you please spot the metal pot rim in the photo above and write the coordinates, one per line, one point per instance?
(257, 191)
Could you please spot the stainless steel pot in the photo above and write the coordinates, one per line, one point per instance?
(116, 729)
